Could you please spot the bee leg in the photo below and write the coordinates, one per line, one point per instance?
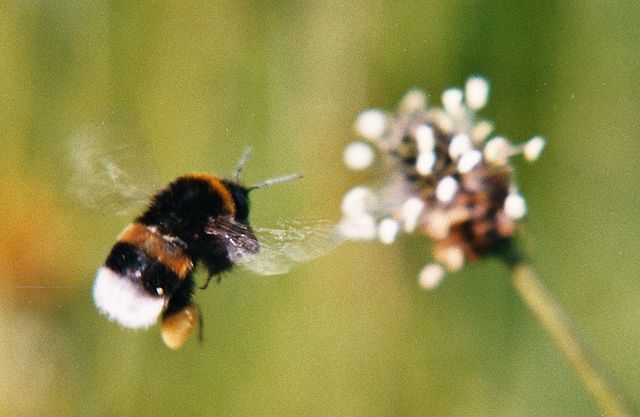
(209, 278)
(200, 324)
(206, 284)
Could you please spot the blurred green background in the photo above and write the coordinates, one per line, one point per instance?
(186, 87)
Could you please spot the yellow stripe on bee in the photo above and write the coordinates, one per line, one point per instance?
(158, 247)
(217, 185)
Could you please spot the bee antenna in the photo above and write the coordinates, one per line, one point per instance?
(276, 180)
(246, 154)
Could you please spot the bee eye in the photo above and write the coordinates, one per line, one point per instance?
(160, 291)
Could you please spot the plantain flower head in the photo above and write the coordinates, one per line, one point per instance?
(447, 176)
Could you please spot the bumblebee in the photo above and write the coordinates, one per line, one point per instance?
(149, 272)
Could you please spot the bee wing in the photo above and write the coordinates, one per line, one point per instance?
(99, 182)
(289, 243)
(239, 238)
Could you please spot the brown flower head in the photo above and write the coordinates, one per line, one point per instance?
(448, 178)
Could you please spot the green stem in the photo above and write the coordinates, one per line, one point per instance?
(561, 328)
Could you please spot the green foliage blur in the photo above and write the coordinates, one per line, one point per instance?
(176, 87)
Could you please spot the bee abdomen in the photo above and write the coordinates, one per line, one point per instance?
(132, 288)
(166, 250)
(132, 263)
(144, 272)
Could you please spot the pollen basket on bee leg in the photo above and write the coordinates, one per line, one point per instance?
(178, 326)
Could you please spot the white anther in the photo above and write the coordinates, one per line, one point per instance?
(446, 189)
(533, 148)
(476, 92)
(371, 124)
(497, 151)
(459, 145)
(515, 206)
(452, 258)
(358, 156)
(469, 160)
(430, 276)
(425, 138)
(481, 131)
(358, 200)
(425, 163)
(452, 100)
(414, 100)
(360, 227)
(387, 231)
(411, 211)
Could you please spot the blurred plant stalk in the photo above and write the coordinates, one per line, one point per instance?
(550, 313)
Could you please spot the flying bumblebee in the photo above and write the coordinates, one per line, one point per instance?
(197, 218)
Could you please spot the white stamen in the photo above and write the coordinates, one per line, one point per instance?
(469, 160)
(459, 145)
(414, 100)
(358, 156)
(121, 300)
(360, 227)
(481, 131)
(371, 124)
(387, 231)
(452, 258)
(497, 151)
(425, 138)
(446, 189)
(515, 206)
(430, 276)
(533, 148)
(443, 120)
(425, 162)
(476, 92)
(438, 224)
(452, 100)
(357, 201)
(411, 211)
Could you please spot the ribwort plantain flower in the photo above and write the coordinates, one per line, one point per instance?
(447, 176)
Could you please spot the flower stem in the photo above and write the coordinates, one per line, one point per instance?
(560, 327)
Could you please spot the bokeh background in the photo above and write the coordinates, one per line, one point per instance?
(177, 87)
